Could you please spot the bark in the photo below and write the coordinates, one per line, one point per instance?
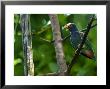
(58, 44)
(27, 45)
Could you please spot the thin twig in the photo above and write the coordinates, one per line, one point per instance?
(58, 44)
(91, 27)
(80, 46)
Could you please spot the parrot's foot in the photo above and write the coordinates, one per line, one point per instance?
(76, 52)
(79, 46)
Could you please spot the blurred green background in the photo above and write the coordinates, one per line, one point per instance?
(44, 52)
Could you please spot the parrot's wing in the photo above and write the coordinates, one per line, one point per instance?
(87, 45)
(90, 47)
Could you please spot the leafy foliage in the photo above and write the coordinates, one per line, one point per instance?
(44, 52)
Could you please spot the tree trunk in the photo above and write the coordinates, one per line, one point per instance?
(27, 45)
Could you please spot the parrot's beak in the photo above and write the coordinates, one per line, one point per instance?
(66, 27)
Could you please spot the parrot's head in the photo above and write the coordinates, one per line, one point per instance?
(70, 27)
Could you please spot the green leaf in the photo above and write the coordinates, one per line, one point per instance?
(17, 61)
(53, 67)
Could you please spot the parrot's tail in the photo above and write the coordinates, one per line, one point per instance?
(89, 54)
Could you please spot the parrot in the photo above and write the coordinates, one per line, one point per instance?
(75, 39)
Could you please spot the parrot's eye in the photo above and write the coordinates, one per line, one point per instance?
(69, 26)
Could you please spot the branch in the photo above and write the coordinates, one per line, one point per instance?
(91, 27)
(80, 46)
(58, 44)
(27, 45)
(48, 41)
